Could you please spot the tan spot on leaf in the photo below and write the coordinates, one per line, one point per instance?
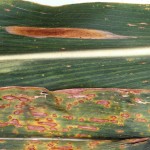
(78, 33)
(36, 128)
(119, 131)
(89, 128)
(143, 23)
(131, 25)
(9, 97)
(7, 10)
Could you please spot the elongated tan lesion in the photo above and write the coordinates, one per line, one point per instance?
(77, 33)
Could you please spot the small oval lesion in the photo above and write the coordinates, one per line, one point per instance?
(76, 33)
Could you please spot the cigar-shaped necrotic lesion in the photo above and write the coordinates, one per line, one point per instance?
(76, 33)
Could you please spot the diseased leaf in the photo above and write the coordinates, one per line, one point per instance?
(57, 144)
(74, 113)
(93, 112)
(75, 33)
(131, 20)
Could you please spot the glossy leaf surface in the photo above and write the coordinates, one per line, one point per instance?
(131, 72)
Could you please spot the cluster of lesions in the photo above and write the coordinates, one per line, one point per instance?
(24, 107)
(15, 105)
(50, 145)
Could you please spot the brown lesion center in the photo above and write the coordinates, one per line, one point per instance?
(77, 33)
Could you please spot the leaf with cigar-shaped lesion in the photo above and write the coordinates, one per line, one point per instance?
(31, 28)
(76, 33)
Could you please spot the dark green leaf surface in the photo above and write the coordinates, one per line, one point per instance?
(122, 19)
(57, 74)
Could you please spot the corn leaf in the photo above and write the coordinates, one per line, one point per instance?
(106, 102)
(122, 19)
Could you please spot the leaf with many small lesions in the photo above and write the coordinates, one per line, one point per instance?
(33, 117)
(58, 144)
(74, 113)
